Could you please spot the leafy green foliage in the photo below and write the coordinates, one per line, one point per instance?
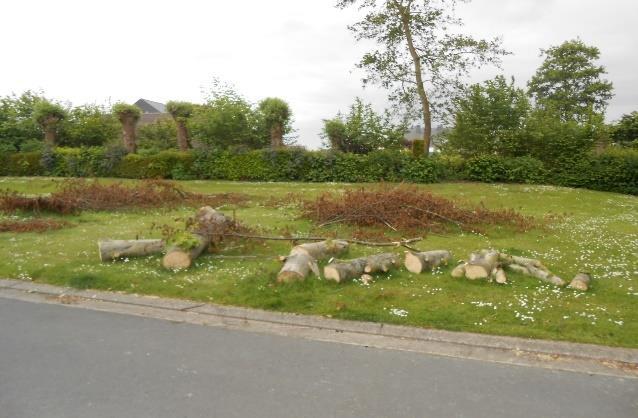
(88, 125)
(180, 111)
(274, 111)
(625, 131)
(124, 111)
(490, 118)
(17, 124)
(157, 136)
(45, 112)
(420, 57)
(569, 82)
(363, 130)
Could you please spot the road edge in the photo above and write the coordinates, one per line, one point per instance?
(557, 355)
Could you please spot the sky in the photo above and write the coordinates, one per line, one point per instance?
(98, 51)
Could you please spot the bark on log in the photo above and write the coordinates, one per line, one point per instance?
(208, 221)
(429, 260)
(341, 271)
(303, 259)
(381, 263)
(345, 270)
(114, 249)
(481, 265)
(459, 271)
(581, 282)
(499, 276)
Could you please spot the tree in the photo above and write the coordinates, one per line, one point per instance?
(48, 115)
(275, 114)
(418, 58)
(128, 115)
(490, 118)
(181, 112)
(17, 124)
(158, 136)
(625, 131)
(363, 130)
(570, 82)
(88, 125)
(227, 120)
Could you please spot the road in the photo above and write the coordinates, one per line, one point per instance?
(57, 361)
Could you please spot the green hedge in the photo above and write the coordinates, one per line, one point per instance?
(614, 170)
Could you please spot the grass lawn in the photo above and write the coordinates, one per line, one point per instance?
(595, 232)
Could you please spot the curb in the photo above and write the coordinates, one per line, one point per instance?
(587, 358)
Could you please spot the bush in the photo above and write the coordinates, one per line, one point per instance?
(492, 168)
(615, 170)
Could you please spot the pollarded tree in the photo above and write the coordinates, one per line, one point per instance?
(419, 58)
(569, 81)
(128, 115)
(48, 115)
(181, 112)
(275, 114)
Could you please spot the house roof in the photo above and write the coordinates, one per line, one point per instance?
(149, 106)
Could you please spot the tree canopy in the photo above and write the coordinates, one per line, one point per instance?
(570, 81)
(490, 119)
(362, 130)
(420, 56)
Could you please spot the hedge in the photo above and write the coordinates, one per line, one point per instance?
(614, 170)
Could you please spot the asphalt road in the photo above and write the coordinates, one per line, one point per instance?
(57, 361)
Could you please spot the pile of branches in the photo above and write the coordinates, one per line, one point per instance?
(32, 225)
(74, 196)
(407, 209)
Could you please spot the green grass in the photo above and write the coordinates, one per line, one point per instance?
(597, 232)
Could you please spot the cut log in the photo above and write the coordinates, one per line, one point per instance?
(208, 222)
(546, 276)
(381, 263)
(581, 282)
(341, 271)
(114, 249)
(481, 265)
(345, 270)
(499, 276)
(303, 259)
(366, 279)
(429, 260)
(459, 271)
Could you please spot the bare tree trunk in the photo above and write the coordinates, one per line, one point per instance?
(182, 136)
(114, 249)
(425, 103)
(277, 136)
(128, 134)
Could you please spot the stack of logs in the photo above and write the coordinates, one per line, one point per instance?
(304, 258)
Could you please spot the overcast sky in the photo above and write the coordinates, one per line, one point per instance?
(300, 50)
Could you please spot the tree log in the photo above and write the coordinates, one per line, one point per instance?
(499, 276)
(481, 265)
(459, 271)
(429, 260)
(303, 259)
(581, 282)
(381, 263)
(114, 249)
(345, 270)
(208, 221)
(341, 271)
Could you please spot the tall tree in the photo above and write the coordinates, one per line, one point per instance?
(570, 81)
(275, 115)
(48, 115)
(181, 112)
(419, 57)
(128, 115)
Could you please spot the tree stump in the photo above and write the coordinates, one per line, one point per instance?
(581, 282)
